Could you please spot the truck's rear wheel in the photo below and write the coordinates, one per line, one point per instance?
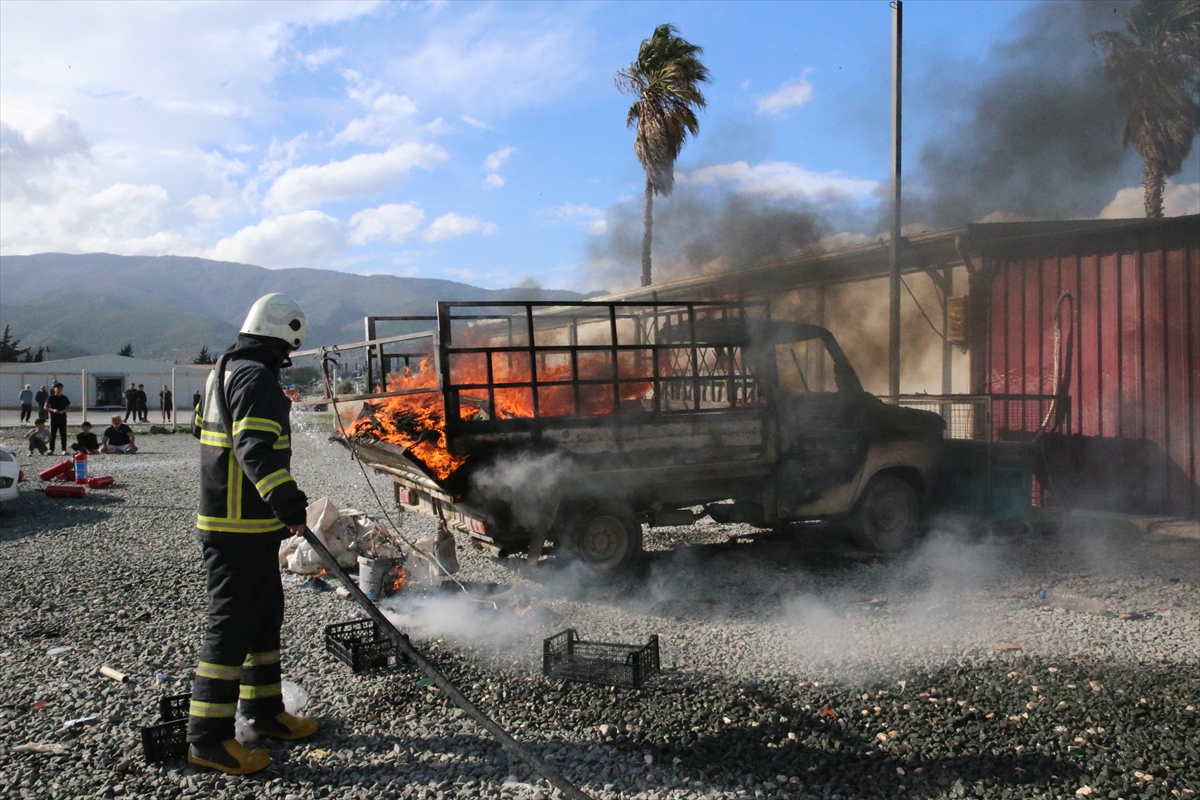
(888, 515)
(604, 539)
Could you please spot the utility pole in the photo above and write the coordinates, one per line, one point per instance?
(894, 316)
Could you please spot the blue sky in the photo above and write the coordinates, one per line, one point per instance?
(476, 142)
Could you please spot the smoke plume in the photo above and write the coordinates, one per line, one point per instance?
(1041, 139)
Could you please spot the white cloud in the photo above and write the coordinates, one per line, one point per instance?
(363, 174)
(1179, 199)
(123, 218)
(208, 209)
(495, 59)
(450, 226)
(318, 58)
(576, 211)
(581, 213)
(32, 158)
(393, 221)
(475, 123)
(390, 117)
(493, 162)
(792, 94)
(307, 239)
(781, 180)
(493, 181)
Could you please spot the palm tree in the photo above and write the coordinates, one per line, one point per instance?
(665, 84)
(1157, 67)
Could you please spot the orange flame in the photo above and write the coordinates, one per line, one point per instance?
(398, 584)
(417, 422)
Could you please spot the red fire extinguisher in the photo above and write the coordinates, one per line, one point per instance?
(53, 490)
(81, 475)
(59, 470)
(101, 481)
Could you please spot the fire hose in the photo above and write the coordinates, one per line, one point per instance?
(402, 642)
(439, 680)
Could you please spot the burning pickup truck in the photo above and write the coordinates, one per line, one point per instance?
(571, 425)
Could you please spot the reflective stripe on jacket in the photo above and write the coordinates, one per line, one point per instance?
(246, 484)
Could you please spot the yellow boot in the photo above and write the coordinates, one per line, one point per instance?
(230, 757)
(286, 727)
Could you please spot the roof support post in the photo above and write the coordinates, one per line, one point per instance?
(894, 294)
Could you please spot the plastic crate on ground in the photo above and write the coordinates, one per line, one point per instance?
(362, 645)
(565, 655)
(167, 741)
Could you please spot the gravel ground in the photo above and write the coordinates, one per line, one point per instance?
(793, 666)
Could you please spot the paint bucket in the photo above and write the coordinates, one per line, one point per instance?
(372, 572)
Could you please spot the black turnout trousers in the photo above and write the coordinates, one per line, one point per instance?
(240, 656)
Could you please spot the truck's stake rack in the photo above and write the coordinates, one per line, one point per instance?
(439, 680)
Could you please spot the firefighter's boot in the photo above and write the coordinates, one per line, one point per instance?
(230, 757)
(286, 727)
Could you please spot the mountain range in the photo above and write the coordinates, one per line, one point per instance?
(168, 307)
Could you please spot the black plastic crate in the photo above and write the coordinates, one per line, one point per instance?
(362, 645)
(174, 707)
(565, 655)
(167, 741)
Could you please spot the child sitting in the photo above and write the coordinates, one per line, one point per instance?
(39, 437)
(85, 440)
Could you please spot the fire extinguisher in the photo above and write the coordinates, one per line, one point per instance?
(81, 475)
(64, 491)
(59, 470)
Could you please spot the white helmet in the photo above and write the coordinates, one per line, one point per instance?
(279, 317)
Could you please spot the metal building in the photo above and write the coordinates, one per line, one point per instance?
(979, 327)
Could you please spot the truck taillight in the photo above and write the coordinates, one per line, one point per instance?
(406, 496)
(476, 525)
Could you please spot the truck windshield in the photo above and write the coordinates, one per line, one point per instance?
(805, 367)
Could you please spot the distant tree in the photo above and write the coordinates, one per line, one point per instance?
(1157, 70)
(9, 351)
(34, 358)
(205, 357)
(665, 84)
(126, 351)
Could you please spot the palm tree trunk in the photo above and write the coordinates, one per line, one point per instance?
(647, 221)
(1152, 180)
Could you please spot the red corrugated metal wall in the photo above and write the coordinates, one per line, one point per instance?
(1135, 372)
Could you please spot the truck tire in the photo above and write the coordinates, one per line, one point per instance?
(604, 539)
(887, 517)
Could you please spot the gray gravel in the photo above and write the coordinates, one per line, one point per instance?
(794, 665)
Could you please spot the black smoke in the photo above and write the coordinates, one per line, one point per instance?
(700, 230)
(1039, 140)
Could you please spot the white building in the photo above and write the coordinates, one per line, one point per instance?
(99, 381)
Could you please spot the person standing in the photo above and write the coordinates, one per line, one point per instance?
(249, 502)
(40, 399)
(166, 401)
(57, 404)
(26, 397)
(131, 405)
(195, 400)
(143, 403)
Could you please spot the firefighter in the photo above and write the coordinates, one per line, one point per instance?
(249, 503)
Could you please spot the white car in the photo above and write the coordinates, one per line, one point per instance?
(10, 473)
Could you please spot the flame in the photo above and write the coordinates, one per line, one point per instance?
(417, 422)
(398, 584)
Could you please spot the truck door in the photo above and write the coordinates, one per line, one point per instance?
(822, 440)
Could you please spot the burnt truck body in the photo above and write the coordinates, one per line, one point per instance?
(580, 422)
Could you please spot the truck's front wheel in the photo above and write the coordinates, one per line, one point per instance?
(887, 517)
(604, 539)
